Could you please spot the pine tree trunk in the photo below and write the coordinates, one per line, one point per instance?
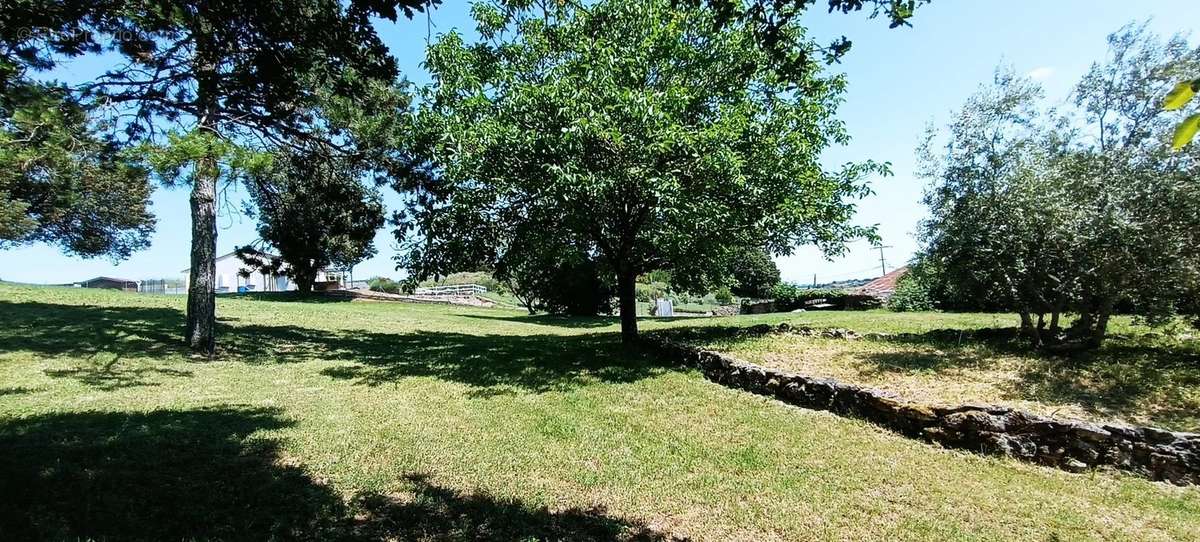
(201, 302)
(628, 306)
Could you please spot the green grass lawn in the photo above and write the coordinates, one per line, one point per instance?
(397, 421)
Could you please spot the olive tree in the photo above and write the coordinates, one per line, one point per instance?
(650, 135)
(1045, 212)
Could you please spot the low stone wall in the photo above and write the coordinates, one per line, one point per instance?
(726, 310)
(1067, 444)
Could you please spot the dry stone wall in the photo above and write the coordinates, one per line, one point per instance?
(1067, 444)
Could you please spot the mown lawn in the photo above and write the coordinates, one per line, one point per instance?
(394, 421)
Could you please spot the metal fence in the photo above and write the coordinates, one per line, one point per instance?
(161, 286)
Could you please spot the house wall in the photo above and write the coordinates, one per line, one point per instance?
(228, 280)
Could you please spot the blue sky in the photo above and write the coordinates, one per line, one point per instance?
(899, 81)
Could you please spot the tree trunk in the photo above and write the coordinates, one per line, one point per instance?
(304, 282)
(1028, 329)
(628, 306)
(201, 301)
(1100, 329)
(1090, 330)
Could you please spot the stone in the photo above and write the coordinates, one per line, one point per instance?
(1125, 432)
(1073, 465)
(1158, 436)
(1090, 432)
(974, 420)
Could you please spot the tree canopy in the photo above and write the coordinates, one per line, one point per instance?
(214, 72)
(315, 212)
(754, 274)
(1045, 212)
(63, 181)
(644, 134)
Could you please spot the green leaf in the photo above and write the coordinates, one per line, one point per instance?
(1186, 131)
(1179, 96)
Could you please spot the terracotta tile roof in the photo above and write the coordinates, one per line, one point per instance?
(883, 286)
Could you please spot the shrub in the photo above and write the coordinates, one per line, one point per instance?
(383, 284)
(913, 292)
(646, 293)
(789, 297)
(724, 296)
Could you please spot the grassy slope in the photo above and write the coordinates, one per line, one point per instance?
(1140, 376)
(429, 422)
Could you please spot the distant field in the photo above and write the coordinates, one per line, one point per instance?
(397, 421)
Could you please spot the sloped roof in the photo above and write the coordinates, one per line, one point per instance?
(102, 278)
(230, 255)
(883, 286)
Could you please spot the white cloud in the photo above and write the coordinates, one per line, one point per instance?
(1041, 73)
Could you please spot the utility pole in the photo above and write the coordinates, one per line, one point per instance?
(882, 263)
(814, 280)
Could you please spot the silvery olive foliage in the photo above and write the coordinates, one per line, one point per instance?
(1083, 210)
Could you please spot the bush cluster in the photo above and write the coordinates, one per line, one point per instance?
(384, 284)
(790, 297)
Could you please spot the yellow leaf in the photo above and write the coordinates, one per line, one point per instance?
(1186, 131)
(1179, 96)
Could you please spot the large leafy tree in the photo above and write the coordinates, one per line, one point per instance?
(1001, 225)
(1044, 213)
(651, 136)
(754, 274)
(248, 72)
(315, 212)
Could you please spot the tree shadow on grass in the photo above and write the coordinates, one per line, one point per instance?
(125, 346)
(161, 475)
(290, 297)
(210, 475)
(426, 511)
(50, 329)
(492, 364)
(552, 320)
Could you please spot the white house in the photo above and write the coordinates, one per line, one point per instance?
(229, 277)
